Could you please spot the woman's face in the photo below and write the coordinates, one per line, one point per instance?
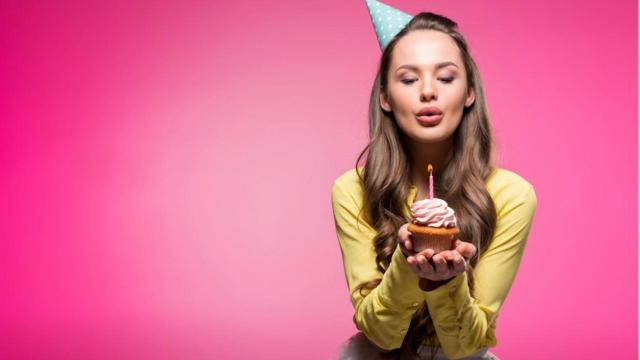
(426, 70)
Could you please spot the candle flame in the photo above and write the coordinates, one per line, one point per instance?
(429, 168)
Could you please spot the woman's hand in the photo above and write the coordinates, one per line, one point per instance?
(443, 265)
(435, 267)
(406, 240)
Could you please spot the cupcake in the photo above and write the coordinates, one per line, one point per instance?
(433, 225)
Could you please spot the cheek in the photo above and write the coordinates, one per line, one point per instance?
(403, 94)
(455, 105)
(456, 95)
(454, 120)
(407, 125)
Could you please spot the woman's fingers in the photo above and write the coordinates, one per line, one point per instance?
(413, 263)
(428, 253)
(425, 268)
(408, 243)
(457, 262)
(404, 237)
(459, 265)
(441, 264)
(403, 232)
(465, 249)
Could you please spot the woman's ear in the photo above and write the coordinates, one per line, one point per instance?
(384, 103)
(470, 98)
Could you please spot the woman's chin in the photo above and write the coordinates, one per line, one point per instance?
(429, 136)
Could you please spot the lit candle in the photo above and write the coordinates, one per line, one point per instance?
(430, 170)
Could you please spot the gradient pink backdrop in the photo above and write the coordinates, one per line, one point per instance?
(167, 168)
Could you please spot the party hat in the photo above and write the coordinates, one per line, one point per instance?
(387, 21)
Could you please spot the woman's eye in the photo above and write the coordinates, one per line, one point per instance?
(411, 81)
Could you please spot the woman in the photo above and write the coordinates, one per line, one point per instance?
(427, 67)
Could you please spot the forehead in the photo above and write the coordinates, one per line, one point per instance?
(425, 48)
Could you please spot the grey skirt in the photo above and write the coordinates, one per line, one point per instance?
(358, 347)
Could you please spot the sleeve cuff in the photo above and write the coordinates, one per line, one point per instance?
(447, 301)
(400, 284)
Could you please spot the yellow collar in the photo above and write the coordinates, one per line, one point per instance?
(411, 195)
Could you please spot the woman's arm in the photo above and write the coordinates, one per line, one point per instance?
(383, 314)
(465, 323)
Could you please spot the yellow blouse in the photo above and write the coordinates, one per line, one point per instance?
(464, 322)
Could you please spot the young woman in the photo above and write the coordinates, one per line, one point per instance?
(452, 312)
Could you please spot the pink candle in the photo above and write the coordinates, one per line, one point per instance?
(430, 169)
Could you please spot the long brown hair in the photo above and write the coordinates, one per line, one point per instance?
(461, 183)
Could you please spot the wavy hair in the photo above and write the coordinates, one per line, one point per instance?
(386, 173)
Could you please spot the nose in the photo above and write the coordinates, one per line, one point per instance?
(428, 91)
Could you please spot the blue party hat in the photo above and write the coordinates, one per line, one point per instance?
(387, 21)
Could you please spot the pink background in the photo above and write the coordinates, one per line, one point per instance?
(167, 168)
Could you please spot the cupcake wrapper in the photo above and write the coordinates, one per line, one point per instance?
(439, 243)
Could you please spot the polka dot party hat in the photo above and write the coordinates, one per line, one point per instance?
(387, 21)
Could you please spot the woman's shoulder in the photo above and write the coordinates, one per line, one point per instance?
(501, 177)
(507, 186)
(350, 179)
(349, 183)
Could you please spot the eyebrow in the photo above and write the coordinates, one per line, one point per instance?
(416, 68)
